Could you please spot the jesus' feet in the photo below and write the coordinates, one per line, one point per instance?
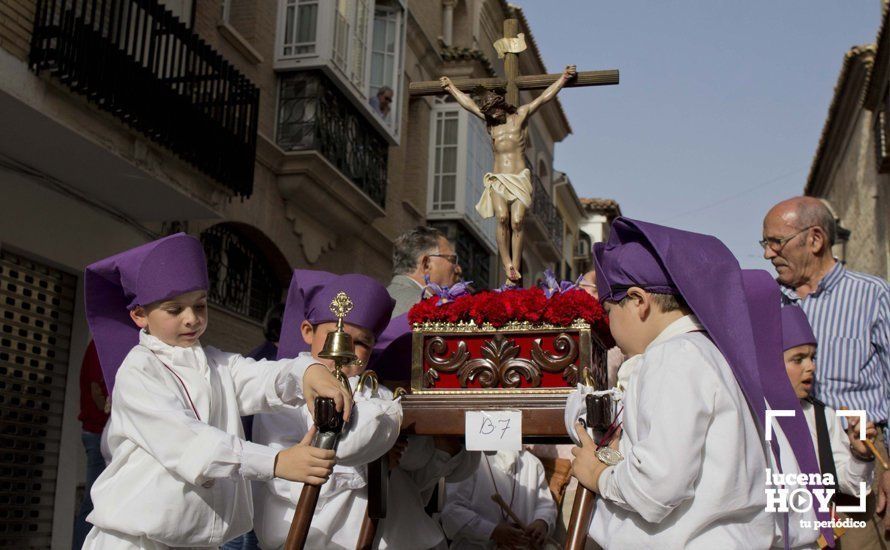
(513, 277)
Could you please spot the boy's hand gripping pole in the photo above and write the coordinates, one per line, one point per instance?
(329, 423)
(599, 418)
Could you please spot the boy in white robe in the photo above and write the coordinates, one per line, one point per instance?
(343, 500)
(472, 520)
(179, 470)
(847, 458)
(691, 468)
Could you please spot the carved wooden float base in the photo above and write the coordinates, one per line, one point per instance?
(518, 358)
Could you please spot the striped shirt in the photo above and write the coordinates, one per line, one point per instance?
(850, 316)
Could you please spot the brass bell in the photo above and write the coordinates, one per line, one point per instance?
(338, 346)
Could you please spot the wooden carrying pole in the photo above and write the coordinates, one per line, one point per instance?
(299, 527)
(582, 509)
(599, 417)
(367, 534)
(329, 423)
(378, 488)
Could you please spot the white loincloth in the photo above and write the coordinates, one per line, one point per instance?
(512, 187)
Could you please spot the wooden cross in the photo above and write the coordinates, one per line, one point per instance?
(513, 81)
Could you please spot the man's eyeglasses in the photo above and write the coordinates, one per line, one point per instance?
(449, 257)
(776, 245)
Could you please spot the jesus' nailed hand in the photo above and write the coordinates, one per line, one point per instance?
(508, 187)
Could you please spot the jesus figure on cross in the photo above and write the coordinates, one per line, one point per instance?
(508, 187)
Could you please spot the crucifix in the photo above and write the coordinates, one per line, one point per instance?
(508, 187)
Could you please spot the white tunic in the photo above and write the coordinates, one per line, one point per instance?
(694, 471)
(470, 516)
(411, 485)
(174, 479)
(343, 499)
(850, 472)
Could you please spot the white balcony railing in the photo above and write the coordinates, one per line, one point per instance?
(358, 43)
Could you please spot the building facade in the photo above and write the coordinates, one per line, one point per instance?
(597, 224)
(851, 168)
(265, 128)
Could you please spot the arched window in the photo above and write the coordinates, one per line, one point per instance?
(242, 280)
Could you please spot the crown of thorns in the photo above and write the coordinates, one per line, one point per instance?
(489, 98)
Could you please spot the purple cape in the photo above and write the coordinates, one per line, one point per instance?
(309, 299)
(149, 273)
(767, 322)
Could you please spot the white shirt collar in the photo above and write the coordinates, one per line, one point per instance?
(503, 460)
(687, 323)
(192, 356)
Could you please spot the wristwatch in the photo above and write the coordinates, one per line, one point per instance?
(609, 456)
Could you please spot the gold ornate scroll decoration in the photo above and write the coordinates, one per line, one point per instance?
(563, 361)
(498, 366)
(434, 352)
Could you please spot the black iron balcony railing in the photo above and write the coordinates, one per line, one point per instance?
(544, 209)
(136, 60)
(241, 280)
(314, 114)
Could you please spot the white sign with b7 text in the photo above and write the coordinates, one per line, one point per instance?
(493, 430)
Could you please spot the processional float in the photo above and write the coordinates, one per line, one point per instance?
(525, 366)
(464, 369)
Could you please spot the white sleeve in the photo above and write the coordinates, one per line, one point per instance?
(458, 517)
(545, 506)
(261, 386)
(850, 471)
(372, 431)
(677, 393)
(156, 420)
(576, 407)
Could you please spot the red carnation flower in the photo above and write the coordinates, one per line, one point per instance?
(423, 311)
(490, 307)
(459, 310)
(528, 304)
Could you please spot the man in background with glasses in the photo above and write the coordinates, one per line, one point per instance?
(420, 252)
(850, 316)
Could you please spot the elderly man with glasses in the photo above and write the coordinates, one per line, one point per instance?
(850, 316)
